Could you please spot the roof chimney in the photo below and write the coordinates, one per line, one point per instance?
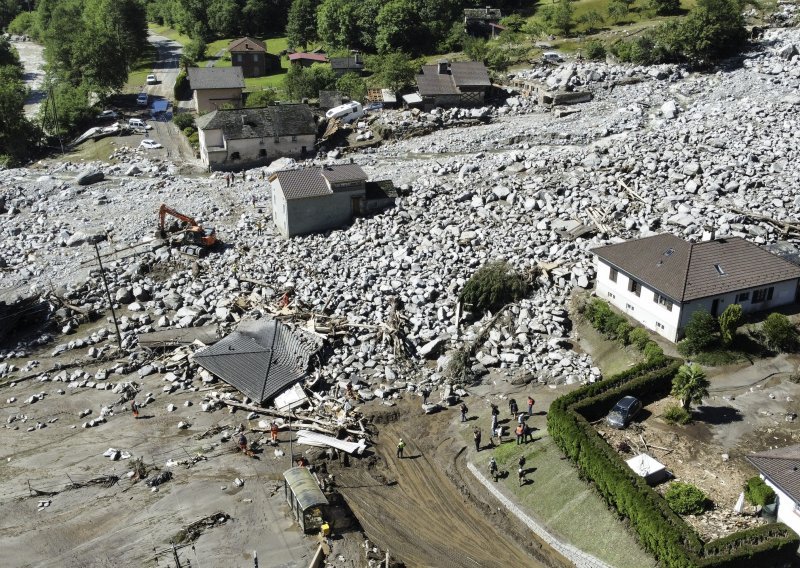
(709, 233)
(443, 66)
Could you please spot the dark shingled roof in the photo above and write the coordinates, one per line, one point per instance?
(309, 182)
(460, 75)
(781, 467)
(261, 358)
(216, 78)
(247, 44)
(267, 122)
(686, 271)
(347, 63)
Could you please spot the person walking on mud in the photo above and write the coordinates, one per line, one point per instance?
(493, 469)
(530, 406)
(135, 409)
(520, 431)
(477, 436)
(512, 407)
(400, 447)
(495, 414)
(273, 430)
(464, 411)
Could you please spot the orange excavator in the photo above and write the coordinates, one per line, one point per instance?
(193, 240)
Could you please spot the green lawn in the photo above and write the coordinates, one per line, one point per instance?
(141, 69)
(566, 505)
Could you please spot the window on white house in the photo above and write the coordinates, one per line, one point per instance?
(628, 307)
(610, 295)
(762, 295)
(742, 297)
(663, 300)
(294, 138)
(612, 274)
(659, 325)
(633, 286)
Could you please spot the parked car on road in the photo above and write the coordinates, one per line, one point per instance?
(142, 99)
(108, 115)
(151, 79)
(623, 412)
(148, 144)
(138, 123)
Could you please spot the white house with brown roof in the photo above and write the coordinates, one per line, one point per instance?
(216, 86)
(311, 200)
(780, 469)
(660, 281)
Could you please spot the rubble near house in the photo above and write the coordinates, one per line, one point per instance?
(261, 358)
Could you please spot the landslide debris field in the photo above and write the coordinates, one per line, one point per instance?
(663, 150)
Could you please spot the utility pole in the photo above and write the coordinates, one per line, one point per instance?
(110, 301)
(175, 556)
(291, 455)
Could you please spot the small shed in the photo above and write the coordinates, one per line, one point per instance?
(305, 498)
(653, 472)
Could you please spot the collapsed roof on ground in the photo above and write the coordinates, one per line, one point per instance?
(261, 358)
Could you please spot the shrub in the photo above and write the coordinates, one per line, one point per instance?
(189, 130)
(196, 50)
(194, 140)
(595, 50)
(639, 338)
(686, 499)
(622, 332)
(677, 415)
(653, 353)
(181, 91)
(700, 331)
(729, 321)
(779, 333)
(597, 312)
(757, 492)
(23, 24)
(492, 286)
(183, 120)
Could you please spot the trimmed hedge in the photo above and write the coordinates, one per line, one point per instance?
(659, 530)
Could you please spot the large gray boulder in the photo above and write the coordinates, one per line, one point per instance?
(89, 176)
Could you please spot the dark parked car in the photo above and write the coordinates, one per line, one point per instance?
(623, 412)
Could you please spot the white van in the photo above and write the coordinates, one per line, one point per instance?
(347, 112)
(137, 123)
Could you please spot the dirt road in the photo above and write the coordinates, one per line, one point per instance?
(32, 57)
(423, 510)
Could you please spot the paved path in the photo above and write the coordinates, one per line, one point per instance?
(578, 557)
(217, 55)
(32, 57)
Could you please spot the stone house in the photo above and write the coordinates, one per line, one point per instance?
(460, 83)
(780, 469)
(479, 22)
(660, 281)
(252, 56)
(216, 86)
(313, 200)
(243, 138)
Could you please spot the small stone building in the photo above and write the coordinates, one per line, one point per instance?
(252, 56)
(351, 64)
(318, 199)
(480, 22)
(215, 87)
(243, 138)
(460, 83)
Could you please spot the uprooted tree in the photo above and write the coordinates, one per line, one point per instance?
(493, 285)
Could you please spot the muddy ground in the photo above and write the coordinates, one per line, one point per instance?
(732, 422)
(426, 508)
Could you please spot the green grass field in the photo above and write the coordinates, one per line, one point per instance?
(143, 67)
(556, 497)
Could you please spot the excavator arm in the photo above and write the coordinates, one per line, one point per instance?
(194, 234)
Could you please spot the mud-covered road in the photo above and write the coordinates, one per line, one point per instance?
(425, 509)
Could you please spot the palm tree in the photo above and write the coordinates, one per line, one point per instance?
(690, 385)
